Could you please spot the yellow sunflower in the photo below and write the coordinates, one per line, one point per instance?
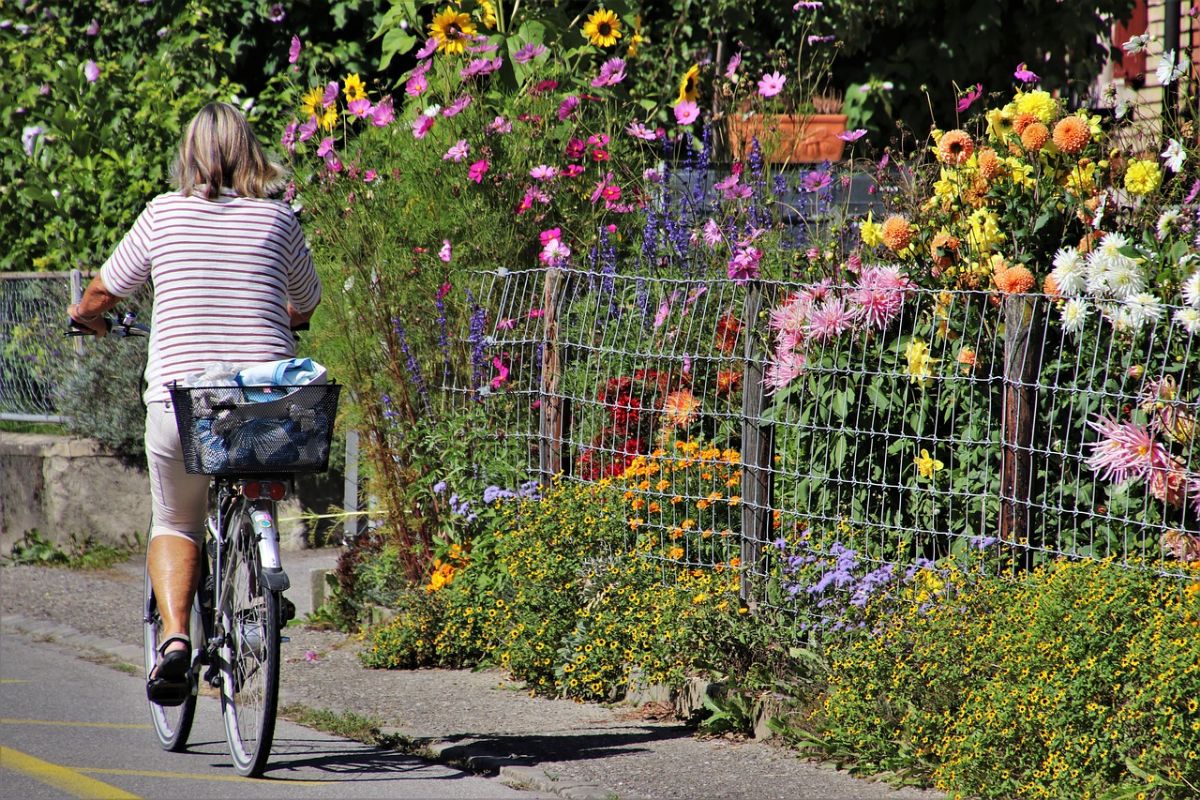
(451, 29)
(689, 88)
(636, 39)
(602, 28)
(354, 88)
(310, 105)
(487, 14)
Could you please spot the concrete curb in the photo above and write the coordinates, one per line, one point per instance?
(515, 775)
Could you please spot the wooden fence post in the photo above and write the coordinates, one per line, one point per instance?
(550, 418)
(1023, 335)
(756, 449)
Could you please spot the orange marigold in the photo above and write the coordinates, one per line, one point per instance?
(1034, 136)
(955, 147)
(966, 357)
(989, 163)
(896, 233)
(1072, 134)
(1050, 286)
(1022, 122)
(1015, 280)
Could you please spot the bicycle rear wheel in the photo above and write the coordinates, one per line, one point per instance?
(249, 658)
(172, 724)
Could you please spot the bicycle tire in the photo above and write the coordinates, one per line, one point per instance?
(172, 724)
(249, 657)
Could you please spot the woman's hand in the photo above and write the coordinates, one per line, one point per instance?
(93, 322)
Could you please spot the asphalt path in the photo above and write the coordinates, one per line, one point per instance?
(70, 728)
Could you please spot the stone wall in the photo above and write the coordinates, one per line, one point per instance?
(68, 486)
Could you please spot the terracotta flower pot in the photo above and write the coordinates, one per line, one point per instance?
(788, 138)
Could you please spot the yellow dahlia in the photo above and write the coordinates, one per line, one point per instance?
(602, 28)
(1039, 103)
(1142, 177)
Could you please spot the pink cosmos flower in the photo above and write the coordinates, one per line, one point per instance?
(732, 188)
(686, 112)
(370, 176)
(421, 125)
(91, 71)
(575, 148)
(447, 251)
(457, 106)
(427, 49)
(360, 108)
(969, 98)
(598, 140)
(744, 263)
(878, 296)
(852, 136)
(664, 309)
(785, 367)
(1193, 491)
(808, 4)
(416, 85)
(528, 53)
(829, 320)
(572, 170)
(480, 66)
(554, 251)
(331, 94)
(639, 130)
(712, 233)
(771, 84)
(276, 13)
(294, 50)
(1125, 450)
(1024, 75)
(458, 151)
(601, 185)
(333, 164)
(506, 324)
(499, 125)
(383, 114)
(612, 72)
(478, 170)
(732, 67)
(94, 28)
(308, 129)
(325, 147)
(567, 107)
(543, 172)
(288, 140)
(501, 373)
(817, 39)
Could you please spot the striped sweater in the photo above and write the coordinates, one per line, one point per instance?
(223, 273)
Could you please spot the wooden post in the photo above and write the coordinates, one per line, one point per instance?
(550, 410)
(1022, 366)
(756, 449)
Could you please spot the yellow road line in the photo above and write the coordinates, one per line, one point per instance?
(199, 776)
(70, 724)
(12, 680)
(62, 778)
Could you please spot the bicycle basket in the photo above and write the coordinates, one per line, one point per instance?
(225, 432)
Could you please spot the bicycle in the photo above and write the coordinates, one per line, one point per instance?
(239, 610)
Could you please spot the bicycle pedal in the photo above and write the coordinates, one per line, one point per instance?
(287, 611)
(283, 639)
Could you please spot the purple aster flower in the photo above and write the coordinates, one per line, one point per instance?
(612, 72)
(308, 129)
(528, 53)
(567, 108)
(428, 48)
(732, 67)
(331, 94)
(288, 140)
(294, 50)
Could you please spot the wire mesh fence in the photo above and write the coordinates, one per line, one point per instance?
(32, 309)
(824, 437)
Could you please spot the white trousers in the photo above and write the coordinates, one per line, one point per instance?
(179, 499)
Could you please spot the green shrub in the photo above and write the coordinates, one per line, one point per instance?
(1078, 680)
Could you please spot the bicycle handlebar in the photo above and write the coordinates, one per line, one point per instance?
(126, 325)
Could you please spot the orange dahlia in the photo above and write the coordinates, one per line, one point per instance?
(967, 358)
(943, 248)
(989, 163)
(1072, 134)
(955, 147)
(1050, 286)
(1015, 280)
(896, 233)
(1034, 136)
(1022, 122)
(681, 408)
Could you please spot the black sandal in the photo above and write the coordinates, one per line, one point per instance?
(170, 682)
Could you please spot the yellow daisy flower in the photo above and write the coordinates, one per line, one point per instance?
(488, 14)
(926, 464)
(328, 118)
(602, 28)
(452, 29)
(310, 105)
(354, 88)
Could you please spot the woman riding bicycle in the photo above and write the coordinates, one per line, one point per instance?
(232, 274)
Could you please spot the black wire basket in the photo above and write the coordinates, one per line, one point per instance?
(255, 430)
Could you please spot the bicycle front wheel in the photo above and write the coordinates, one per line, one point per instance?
(172, 724)
(249, 658)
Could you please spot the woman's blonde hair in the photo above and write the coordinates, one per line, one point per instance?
(219, 151)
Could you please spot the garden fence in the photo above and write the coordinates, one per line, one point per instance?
(950, 420)
(32, 309)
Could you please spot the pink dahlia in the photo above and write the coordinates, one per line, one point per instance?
(1126, 450)
(785, 367)
(792, 316)
(829, 320)
(879, 296)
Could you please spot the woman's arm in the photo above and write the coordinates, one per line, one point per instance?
(89, 311)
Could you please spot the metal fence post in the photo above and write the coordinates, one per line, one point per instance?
(350, 489)
(76, 296)
(757, 442)
(550, 410)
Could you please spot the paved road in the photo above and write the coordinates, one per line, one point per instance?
(70, 728)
